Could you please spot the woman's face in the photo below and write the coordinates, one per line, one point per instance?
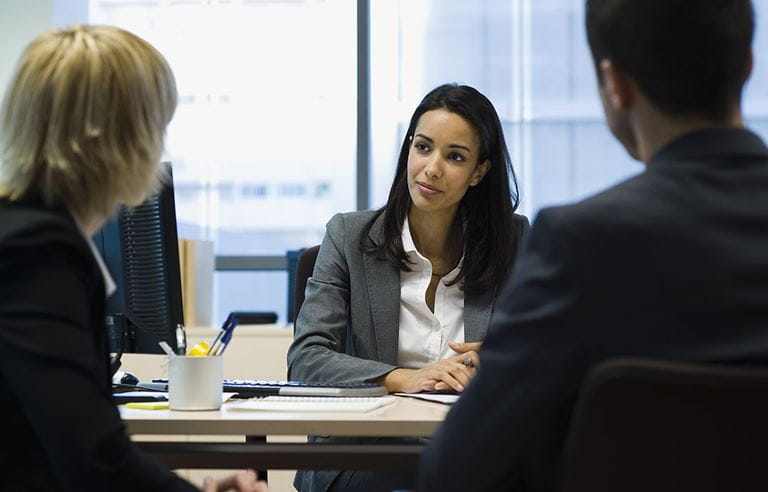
(442, 162)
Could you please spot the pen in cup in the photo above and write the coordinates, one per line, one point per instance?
(181, 340)
(215, 345)
(166, 348)
(226, 338)
(225, 333)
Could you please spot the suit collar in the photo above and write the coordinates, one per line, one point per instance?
(383, 295)
(376, 232)
(711, 143)
(477, 315)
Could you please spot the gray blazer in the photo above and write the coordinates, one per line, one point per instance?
(347, 329)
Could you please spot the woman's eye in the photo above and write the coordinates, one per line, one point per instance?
(456, 157)
(421, 147)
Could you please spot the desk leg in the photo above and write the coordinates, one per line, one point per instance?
(262, 474)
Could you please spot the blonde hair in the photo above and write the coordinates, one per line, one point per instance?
(83, 121)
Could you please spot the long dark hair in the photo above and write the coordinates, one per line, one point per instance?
(486, 209)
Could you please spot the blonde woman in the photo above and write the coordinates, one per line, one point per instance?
(82, 131)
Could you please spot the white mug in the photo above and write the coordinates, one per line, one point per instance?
(195, 382)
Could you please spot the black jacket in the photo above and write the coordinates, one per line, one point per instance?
(672, 264)
(60, 428)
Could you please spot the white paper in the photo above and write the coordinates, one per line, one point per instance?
(312, 404)
(445, 398)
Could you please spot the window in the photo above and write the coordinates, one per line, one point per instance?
(264, 138)
(529, 58)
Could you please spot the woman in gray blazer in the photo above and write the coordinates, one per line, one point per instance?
(402, 296)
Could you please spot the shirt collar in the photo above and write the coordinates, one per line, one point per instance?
(410, 249)
(408, 245)
(109, 284)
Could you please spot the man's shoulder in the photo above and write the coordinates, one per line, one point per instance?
(625, 200)
(633, 214)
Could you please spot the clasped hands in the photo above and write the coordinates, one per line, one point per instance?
(452, 373)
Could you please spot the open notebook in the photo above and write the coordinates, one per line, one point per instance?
(312, 404)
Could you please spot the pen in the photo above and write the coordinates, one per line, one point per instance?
(216, 341)
(181, 340)
(226, 338)
(166, 348)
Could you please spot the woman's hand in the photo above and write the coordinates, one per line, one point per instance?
(470, 358)
(243, 481)
(451, 373)
(467, 348)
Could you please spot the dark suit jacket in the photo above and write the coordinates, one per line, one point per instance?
(60, 428)
(672, 263)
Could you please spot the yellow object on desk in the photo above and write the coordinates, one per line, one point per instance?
(199, 349)
(148, 405)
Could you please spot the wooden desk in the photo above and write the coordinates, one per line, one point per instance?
(406, 417)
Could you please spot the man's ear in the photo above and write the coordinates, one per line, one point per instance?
(616, 84)
(480, 172)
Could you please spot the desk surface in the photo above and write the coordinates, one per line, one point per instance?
(406, 417)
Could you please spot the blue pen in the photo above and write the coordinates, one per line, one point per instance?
(216, 341)
(226, 334)
(226, 338)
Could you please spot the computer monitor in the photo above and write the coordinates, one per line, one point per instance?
(140, 249)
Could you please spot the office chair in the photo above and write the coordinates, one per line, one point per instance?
(304, 268)
(645, 425)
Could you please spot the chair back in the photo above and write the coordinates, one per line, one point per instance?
(647, 425)
(304, 268)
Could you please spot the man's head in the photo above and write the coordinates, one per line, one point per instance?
(689, 58)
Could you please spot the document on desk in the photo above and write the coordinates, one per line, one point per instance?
(446, 398)
(152, 396)
(312, 404)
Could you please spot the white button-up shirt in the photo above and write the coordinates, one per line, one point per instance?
(424, 335)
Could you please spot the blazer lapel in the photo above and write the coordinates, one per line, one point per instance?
(384, 297)
(477, 315)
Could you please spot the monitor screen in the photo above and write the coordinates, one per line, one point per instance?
(140, 249)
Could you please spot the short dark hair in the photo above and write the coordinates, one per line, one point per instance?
(689, 57)
(486, 209)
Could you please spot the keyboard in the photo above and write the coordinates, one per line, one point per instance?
(248, 388)
(312, 404)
